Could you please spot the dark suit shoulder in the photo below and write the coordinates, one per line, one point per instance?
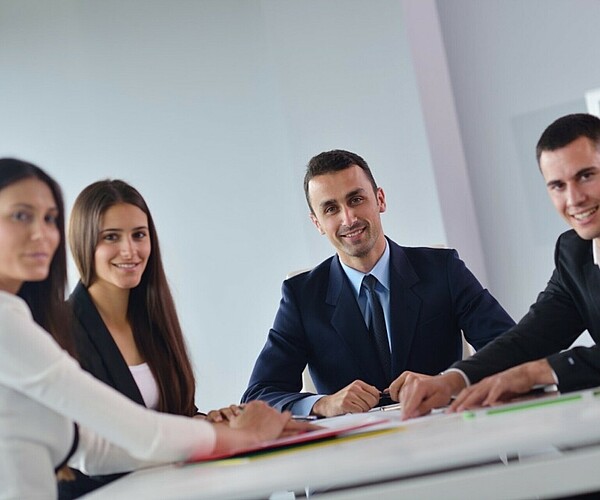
(571, 248)
(311, 277)
(569, 237)
(98, 352)
(93, 341)
(80, 301)
(427, 253)
(423, 261)
(83, 312)
(572, 256)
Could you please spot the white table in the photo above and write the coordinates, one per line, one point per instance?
(505, 455)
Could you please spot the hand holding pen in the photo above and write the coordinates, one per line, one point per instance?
(356, 397)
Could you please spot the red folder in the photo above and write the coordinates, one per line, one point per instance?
(304, 437)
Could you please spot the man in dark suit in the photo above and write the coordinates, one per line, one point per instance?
(328, 319)
(568, 155)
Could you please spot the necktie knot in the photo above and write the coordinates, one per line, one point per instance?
(370, 282)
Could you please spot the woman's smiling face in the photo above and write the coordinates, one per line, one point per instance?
(123, 247)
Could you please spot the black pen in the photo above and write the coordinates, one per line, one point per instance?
(385, 399)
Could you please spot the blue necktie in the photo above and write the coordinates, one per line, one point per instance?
(377, 327)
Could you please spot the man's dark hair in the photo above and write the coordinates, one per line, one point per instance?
(567, 129)
(334, 161)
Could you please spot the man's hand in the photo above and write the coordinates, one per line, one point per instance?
(419, 394)
(354, 398)
(504, 385)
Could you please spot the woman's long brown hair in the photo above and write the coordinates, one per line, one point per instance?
(151, 310)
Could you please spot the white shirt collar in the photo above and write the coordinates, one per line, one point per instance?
(596, 250)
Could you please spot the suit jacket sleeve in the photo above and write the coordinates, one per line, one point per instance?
(479, 315)
(277, 374)
(560, 314)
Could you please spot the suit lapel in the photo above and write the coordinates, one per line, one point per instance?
(575, 254)
(592, 279)
(349, 324)
(405, 307)
(97, 333)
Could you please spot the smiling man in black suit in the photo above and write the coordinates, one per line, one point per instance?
(533, 352)
(358, 337)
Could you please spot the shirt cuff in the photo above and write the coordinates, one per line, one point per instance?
(303, 406)
(462, 374)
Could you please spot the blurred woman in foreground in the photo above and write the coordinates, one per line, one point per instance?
(43, 391)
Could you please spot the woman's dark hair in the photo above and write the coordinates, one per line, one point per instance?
(45, 298)
(151, 310)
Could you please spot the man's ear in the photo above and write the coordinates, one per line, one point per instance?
(315, 221)
(381, 200)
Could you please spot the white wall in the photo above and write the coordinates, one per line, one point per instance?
(212, 109)
(515, 67)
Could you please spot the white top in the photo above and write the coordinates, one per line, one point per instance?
(43, 389)
(146, 384)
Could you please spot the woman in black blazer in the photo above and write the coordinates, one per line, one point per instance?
(125, 324)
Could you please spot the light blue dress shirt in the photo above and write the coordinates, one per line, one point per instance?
(381, 271)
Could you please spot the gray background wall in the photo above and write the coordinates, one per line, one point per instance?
(516, 66)
(212, 109)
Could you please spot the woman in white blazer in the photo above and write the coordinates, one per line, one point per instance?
(43, 391)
